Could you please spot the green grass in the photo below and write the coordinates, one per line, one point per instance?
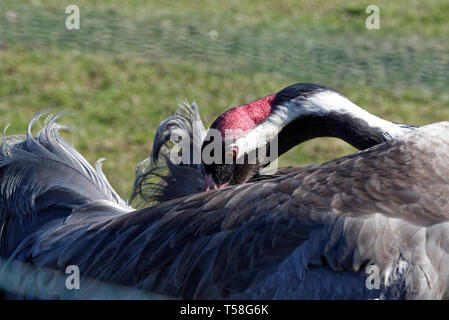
(132, 63)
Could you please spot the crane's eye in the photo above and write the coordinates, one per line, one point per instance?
(231, 155)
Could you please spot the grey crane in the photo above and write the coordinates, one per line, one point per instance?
(309, 233)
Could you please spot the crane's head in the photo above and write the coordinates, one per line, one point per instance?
(226, 155)
(246, 138)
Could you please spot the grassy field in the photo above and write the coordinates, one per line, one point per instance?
(132, 63)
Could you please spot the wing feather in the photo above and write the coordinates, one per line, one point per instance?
(301, 235)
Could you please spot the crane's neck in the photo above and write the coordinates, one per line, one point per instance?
(323, 114)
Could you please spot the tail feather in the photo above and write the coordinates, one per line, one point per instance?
(159, 178)
(44, 178)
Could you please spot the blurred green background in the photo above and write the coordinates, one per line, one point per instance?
(132, 62)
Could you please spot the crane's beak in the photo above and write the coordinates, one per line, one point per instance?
(209, 183)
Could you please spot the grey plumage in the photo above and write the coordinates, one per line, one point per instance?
(44, 178)
(306, 234)
(160, 178)
(38, 287)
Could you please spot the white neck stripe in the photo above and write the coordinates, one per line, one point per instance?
(321, 103)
